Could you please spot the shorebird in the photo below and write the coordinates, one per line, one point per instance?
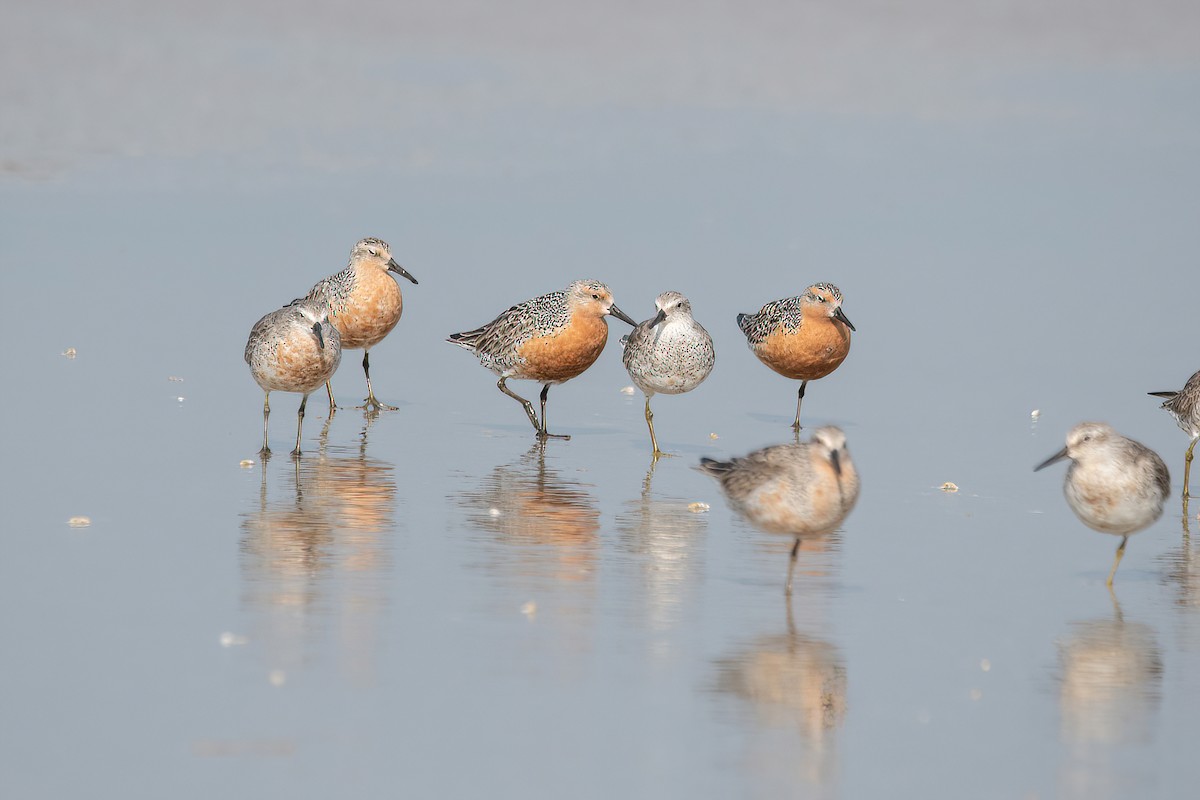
(549, 339)
(670, 353)
(364, 304)
(803, 490)
(1184, 406)
(803, 338)
(1114, 485)
(294, 349)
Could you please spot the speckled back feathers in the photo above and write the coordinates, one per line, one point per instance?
(1184, 405)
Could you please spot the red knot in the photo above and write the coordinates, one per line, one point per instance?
(803, 490)
(1114, 485)
(1184, 406)
(549, 339)
(670, 353)
(803, 338)
(364, 304)
(294, 349)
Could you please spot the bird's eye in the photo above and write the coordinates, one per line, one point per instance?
(595, 297)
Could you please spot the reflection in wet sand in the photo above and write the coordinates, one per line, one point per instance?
(551, 522)
(664, 534)
(1183, 572)
(798, 682)
(1109, 692)
(314, 557)
(1181, 575)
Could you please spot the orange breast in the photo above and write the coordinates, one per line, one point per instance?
(373, 310)
(302, 365)
(562, 356)
(812, 351)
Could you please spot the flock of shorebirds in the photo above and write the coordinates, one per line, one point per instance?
(1114, 484)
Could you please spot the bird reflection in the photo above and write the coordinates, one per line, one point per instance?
(1182, 572)
(552, 521)
(795, 681)
(1110, 687)
(662, 532)
(312, 557)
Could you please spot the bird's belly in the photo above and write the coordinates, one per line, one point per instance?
(806, 353)
(1111, 510)
(296, 367)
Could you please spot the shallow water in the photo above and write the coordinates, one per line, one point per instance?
(427, 602)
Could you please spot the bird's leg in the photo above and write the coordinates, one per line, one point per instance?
(1187, 467)
(371, 402)
(332, 405)
(502, 386)
(650, 423)
(266, 451)
(543, 432)
(792, 567)
(1117, 560)
(300, 424)
(799, 400)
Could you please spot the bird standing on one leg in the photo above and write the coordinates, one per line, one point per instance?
(670, 353)
(1114, 485)
(803, 338)
(364, 304)
(803, 490)
(549, 339)
(294, 349)
(1184, 406)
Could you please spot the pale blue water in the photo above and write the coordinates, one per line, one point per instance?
(428, 604)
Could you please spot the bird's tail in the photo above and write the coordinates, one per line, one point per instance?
(466, 339)
(715, 468)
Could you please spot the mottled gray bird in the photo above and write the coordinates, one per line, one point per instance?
(364, 304)
(803, 338)
(1184, 406)
(549, 339)
(1114, 485)
(294, 349)
(803, 490)
(670, 353)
